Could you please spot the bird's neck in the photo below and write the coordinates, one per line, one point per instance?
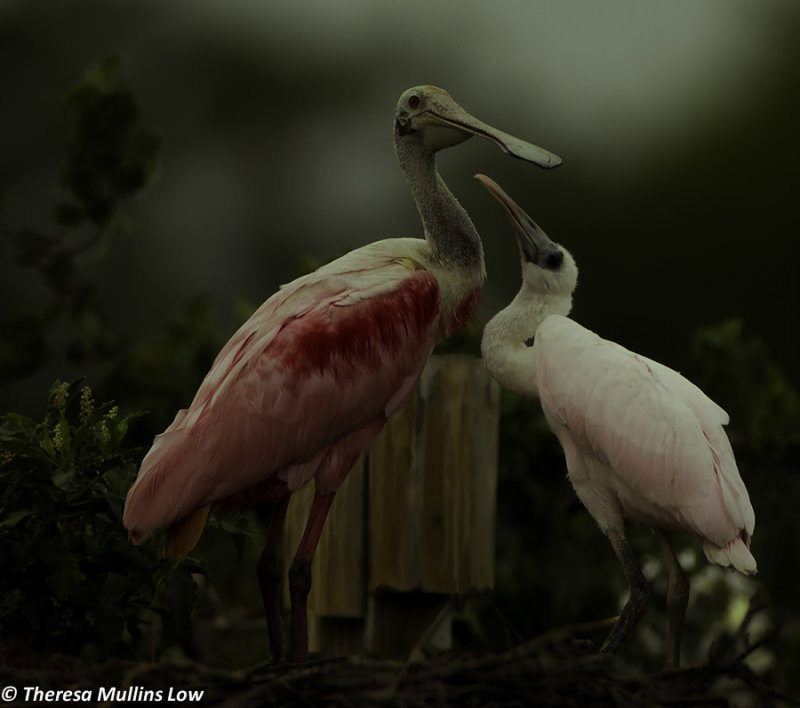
(449, 231)
(508, 339)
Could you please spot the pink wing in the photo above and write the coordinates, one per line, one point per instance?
(323, 362)
(659, 433)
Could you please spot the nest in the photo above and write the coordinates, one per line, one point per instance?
(554, 669)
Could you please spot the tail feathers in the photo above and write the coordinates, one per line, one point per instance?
(183, 535)
(736, 553)
(169, 487)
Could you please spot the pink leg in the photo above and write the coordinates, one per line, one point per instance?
(300, 574)
(269, 578)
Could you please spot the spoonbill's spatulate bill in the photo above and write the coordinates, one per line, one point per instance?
(306, 384)
(642, 443)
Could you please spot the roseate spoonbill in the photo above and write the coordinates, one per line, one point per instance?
(306, 384)
(642, 443)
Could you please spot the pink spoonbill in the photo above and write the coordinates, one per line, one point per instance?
(308, 382)
(642, 443)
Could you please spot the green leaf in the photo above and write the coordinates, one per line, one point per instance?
(47, 443)
(14, 518)
(62, 480)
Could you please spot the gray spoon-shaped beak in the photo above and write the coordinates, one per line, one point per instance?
(509, 144)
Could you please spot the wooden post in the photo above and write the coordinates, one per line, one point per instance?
(413, 524)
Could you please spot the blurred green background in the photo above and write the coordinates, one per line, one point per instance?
(678, 126)
(677, 123)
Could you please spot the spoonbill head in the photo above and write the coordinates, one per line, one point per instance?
(549, 277)
(548, 269)
(642, 443)
(431, 112)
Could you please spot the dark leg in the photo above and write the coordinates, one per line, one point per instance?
(637, 599)
(300, 574)
(269, 578)
(677, 598)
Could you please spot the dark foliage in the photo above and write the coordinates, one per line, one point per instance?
(110, 157)
(734, 366)
(70, 581)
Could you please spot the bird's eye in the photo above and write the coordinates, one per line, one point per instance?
(413, 101)
(555, 259)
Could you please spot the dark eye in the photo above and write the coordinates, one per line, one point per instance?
(413, 101)
(555, 259)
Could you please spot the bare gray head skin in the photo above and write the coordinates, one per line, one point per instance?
(443, 123)
(427, 120)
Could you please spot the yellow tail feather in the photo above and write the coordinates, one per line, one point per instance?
(183, 535)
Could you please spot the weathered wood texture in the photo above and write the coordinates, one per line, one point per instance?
(432, 484)
(418, 514)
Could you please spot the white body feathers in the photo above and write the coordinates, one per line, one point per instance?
(642, 442)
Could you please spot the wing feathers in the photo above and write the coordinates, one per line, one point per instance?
(326, 356)
(659, 435)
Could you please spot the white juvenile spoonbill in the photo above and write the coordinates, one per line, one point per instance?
(642, 443)
(306, 384)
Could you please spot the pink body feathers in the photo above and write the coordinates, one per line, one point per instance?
(301, 389)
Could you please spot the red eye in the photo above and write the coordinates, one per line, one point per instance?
(413, 101)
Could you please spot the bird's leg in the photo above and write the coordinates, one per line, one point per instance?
(269, 578)
(300, 574)
(639, 592)
(677, 598)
